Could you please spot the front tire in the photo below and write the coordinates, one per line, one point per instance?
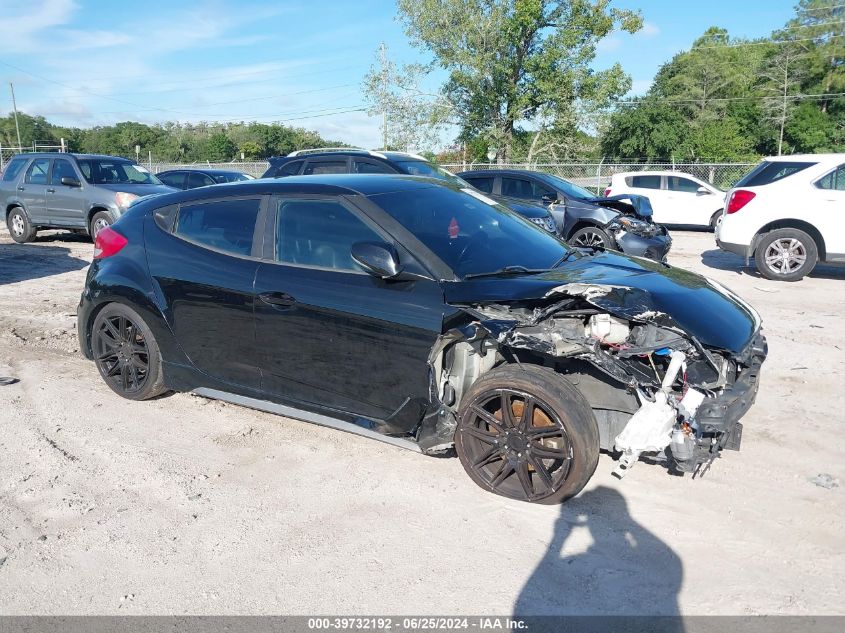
(786, 255)
(20, 228)
(714, 220)
(525, 432)
(126, 353)
(592, 237)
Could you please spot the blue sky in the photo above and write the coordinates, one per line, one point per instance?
(89, 62)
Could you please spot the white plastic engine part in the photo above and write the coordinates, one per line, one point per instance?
(607, 328)
(691, 401)
(650, 428)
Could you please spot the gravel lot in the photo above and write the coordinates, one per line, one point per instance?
(185, 505)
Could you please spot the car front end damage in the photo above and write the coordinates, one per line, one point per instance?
(640, 238)
(655, 386)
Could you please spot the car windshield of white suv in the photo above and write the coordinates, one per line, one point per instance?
(768, 172)
(115, 172)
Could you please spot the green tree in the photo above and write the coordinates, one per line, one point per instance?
(512, 62)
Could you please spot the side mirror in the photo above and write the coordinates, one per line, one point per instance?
(703, 191)
(71, 182)
(377, 258)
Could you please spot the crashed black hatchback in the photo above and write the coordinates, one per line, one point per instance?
(424, 315)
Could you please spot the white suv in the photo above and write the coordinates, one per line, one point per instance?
(787, 214)
(676, 197)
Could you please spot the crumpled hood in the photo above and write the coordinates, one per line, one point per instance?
(137, 189)
(630, 288)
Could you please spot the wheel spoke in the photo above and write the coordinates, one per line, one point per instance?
(488, 457)
(525, 478)
(541, 432)
(114, 369)
(124, 377)
(484, 436)
(541, 471)
(488, 418)
(504, 472)
(507, 409)
(527, 419)
(121, 326)
(112, 330)
(541, 452)
(107, 355)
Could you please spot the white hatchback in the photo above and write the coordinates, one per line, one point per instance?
(787, 214)
(676, 198)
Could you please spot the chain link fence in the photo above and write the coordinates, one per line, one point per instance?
(597, 176)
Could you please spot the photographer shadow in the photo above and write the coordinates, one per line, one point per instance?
(624, 574)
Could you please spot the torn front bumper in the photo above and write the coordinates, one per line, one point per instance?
(720, 414)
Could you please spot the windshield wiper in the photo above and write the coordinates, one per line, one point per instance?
(508, 270)
(565, 258)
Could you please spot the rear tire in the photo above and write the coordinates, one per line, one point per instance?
(20, 228)
(786, 255)
(126, 353)
(545, 451)
(99, 221)
(714, 220)
(592, 237)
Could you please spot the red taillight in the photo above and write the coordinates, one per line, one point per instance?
(108, 242)
(739, 199)
(607, 192)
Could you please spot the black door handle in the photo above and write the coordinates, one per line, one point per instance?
(21, 188)
(279, 299)
(51, 191)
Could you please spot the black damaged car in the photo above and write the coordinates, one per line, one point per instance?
(408, 310)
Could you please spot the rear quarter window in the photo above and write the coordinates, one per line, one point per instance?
(644, 182)
(13, 168)
(768, 172)
(224, 225)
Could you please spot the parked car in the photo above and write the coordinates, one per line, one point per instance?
(84, 192)
(621, 223)
(345, 160)
(786, 214)
(420, 313)
(677, 198)
(193, 178)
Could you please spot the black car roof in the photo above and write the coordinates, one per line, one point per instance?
(338, 184)
(202, 170)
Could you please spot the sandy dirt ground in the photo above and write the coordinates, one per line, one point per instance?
(186, 505)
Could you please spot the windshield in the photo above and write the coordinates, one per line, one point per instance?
(113, 172)
(470, 232)
(231, 176)
(570, 190)
(422, 168)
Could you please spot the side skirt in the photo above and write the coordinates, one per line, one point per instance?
(305, 416)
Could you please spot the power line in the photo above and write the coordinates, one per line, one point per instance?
(764, 43)
(830, 95)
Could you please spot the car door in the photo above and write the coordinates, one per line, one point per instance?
(686, 205)
(828, 210)
(66, 204)
(203, 256)
(33, 190)
(650, 186)
(332, 336)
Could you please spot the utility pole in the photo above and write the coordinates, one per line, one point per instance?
(15, 108)
(382, 52)
(783, 111)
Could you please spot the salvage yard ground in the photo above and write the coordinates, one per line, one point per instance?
(186, 505)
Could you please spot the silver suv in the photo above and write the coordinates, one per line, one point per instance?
(81, 192)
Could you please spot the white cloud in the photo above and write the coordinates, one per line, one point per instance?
(650, 29)
(608, 44)
(639, 87)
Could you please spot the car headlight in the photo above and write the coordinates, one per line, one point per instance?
(546, 223)
(633, 225)
(124, 199)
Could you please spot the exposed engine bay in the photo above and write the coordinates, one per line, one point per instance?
(654, 388)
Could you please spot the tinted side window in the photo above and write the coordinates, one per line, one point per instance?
(482, 184)
(196, 179)
(290, 169)
(834, 180)
(646, 182)
(319, 233)
(226, 225)
(372, 167)
(524, 189)
(13, 168)
(768, 172)
(61, 169)
(175, 179)
(325, 167)
(676, 183)
(37, 172)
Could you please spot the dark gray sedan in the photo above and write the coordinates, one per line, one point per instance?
(621, 222)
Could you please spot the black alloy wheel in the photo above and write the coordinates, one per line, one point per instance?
(527, 433)
(126, 353)
(592, 237)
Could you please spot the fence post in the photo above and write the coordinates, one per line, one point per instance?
(598, 177)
